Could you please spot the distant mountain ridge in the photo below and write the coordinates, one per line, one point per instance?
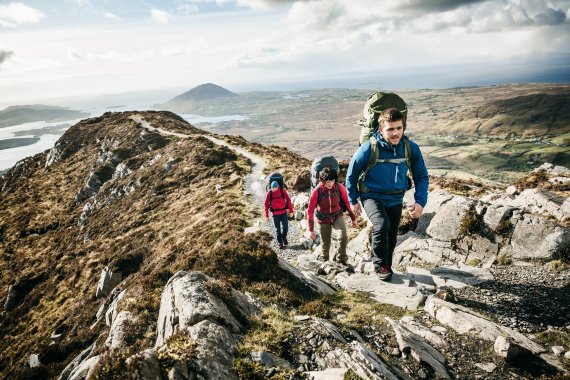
(204, 92)
(14, 115)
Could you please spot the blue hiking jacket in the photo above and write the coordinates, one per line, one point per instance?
(390, 177)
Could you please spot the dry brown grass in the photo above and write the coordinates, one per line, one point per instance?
(173, 220)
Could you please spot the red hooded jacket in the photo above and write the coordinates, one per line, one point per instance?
(328, 206)
(277, 202)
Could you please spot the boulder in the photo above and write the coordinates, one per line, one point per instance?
(459, 276)
(76, 362)
(408, 341)
(121, 330)
(107, 282)
(538, 201)
(446, 225)
(397, 292)
(436, 200)
(145, 364)
(536, 238)
(421, 251)
(186, 301)
(316, 283)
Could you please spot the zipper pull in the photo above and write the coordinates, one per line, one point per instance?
(396, 178)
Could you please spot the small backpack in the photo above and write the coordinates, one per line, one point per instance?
(277, 177)
(376, 103)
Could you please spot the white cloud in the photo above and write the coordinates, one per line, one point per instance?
(159, 16)
(112, 16)
(187, 9)
(15, 14)
(81, 3)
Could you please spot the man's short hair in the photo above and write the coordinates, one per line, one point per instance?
(389, 115)
(327, 174)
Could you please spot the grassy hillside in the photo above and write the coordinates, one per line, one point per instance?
(163, 217)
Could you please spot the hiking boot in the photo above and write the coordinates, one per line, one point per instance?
(384, 273)
(285, 242)
(281, 246)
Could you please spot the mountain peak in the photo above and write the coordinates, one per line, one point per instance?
(205, 91)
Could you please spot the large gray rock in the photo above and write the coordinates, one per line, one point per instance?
(420, 350)
(436, 199)
(186, 301)
(316, 283)
(459, 276)
(466, 321)
(121, 330)
(145, 365)
(447, 222)
(397, 292)
(479, 250)
(76, 362)
(539, 202)
(496, 215)
(188, 307)
(363, 362)
(84, 370)
(420, 251)
(107, 282)
(536, 238)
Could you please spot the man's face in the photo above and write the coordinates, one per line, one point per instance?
(392, 131)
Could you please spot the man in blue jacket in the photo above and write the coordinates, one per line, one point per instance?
(380, 184)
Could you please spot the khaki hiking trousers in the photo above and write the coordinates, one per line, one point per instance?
(326, 237)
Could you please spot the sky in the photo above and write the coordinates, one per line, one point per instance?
(68, 48)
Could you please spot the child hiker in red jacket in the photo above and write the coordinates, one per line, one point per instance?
(278, 202)
(330, 200)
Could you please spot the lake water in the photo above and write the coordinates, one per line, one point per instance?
(49, 133)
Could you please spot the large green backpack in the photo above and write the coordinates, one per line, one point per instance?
(376, 103)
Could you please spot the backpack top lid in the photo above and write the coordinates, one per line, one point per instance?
(275, 177)
(380, 101)
(319, 164)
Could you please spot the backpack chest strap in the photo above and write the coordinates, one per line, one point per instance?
(391, 160)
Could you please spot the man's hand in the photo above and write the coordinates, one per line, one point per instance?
(290, 215)
(313, 236)
(356, 209)
(416, 211)
(267, 218)
(353, 224)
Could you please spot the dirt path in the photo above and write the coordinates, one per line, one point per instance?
(254, 186)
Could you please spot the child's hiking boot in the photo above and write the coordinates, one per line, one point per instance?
(384, 273)
(285, 242)
(281, 246)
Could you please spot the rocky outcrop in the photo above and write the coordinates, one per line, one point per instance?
(188, 307)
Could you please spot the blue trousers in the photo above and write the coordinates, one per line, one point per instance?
(281, 224)
(385, 222)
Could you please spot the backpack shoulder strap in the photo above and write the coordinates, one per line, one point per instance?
(408, 153)
(374, 153)
(283, 196)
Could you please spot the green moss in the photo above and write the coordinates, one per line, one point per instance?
(504, 260)
(269, 332)
(179, 347)
(472, 223)
(554, 338)
(350, 375)
(358, 309)
(473, 262)
(504, 227)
